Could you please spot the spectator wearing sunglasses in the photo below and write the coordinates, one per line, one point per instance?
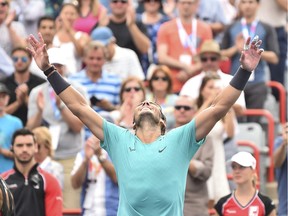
(132, 93)
(20, 84)
(160, 86)
(200, 167)
(245, 199)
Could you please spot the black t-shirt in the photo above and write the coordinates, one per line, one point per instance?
(123, 36)
(10, 83)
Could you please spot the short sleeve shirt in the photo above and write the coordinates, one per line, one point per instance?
(151, 177)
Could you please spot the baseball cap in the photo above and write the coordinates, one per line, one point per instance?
(102, 34)
(244, 159)
(56, 56)
(4, 89)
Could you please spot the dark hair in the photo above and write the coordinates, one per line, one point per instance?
(6, 200)
(41, 19)
(22, 132)
(208, 77)
(22, 49)
(164, 69)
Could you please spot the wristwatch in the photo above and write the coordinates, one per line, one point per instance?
(102, 158)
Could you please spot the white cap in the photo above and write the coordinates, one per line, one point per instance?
(56, 56)
(244, 159)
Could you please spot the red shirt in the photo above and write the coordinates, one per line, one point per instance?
(259, 205)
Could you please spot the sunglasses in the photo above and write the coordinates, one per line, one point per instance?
(234, 167)
(148, 1)
(23, 59)
(212, 59)
(160, 78)
(3, 4)
(129, 89)
(121, 1)
(186, 108)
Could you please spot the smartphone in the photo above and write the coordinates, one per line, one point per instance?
(94, 100)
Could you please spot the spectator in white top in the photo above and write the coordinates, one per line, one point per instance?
(119, 61)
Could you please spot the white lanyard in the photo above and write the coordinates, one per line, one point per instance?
(188, 41)
(246, 33)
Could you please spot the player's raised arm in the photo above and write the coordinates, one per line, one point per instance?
(249, 60)
(73, 99)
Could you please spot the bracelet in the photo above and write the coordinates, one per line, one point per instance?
(49, 71)
(240, 79)
(58, 83)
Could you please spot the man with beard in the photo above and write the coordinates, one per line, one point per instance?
(35, 191)
(20, 83)
(151, 166)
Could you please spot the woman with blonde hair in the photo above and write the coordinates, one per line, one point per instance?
(245, 199)
(45, 154)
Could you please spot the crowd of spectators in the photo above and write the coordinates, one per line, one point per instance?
(118, 53)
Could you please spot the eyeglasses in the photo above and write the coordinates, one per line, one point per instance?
(3, 4)
(186, 108)
(23, 59)
(212, 58)
(121, 1)
(235, 166)
(156, 78)
(129, 89)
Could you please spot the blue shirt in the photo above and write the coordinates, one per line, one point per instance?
(106, 87)
(269, 43)
(151, 177)
(8, 125)
(281, 176)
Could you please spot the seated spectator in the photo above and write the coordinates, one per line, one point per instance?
(6, 200)
(35, 191)
(45, 154)
(119, 61)
(95, 174)
(132, 93)
(8, 125)
(200, 167)
(280, 162)
(246, 199)
(160, 88)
